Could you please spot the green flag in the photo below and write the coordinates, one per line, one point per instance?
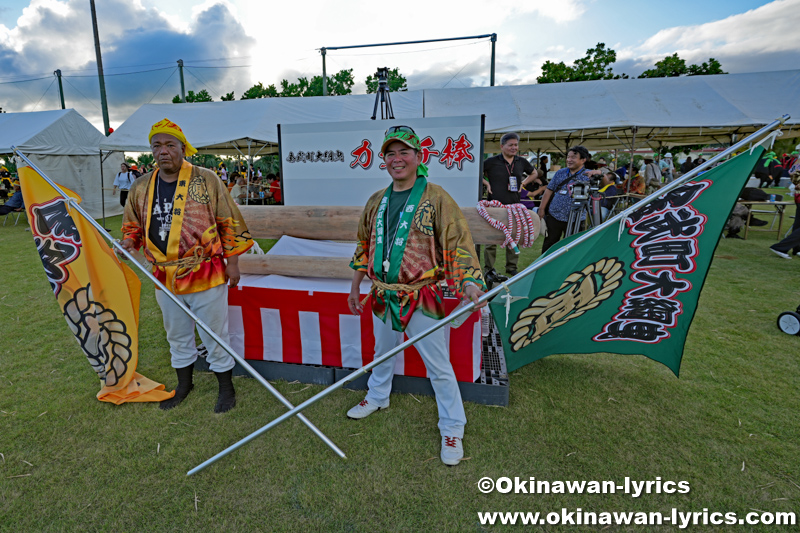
(633, 287)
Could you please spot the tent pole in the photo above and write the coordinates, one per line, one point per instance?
(102, 192)
(630, 163)
(249, 166)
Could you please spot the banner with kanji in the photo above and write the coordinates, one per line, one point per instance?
(98, 295)
(341, 163)
(633, 287)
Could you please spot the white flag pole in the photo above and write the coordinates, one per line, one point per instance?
(239, 359)
(468, 308)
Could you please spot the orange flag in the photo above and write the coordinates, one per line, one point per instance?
(98, 294)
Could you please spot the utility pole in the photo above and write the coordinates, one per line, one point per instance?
(324, 76)
(103, 101)
(494, 40)
(183, 87)
(60, 88)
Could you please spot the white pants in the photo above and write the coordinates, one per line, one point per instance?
(436, 357)
(210, 306)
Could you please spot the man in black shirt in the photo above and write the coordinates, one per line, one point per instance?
(502, 176)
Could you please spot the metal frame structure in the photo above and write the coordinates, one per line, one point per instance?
(324, 51)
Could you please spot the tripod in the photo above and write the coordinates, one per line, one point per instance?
(382, 95)
(578, 211)
(584, 207)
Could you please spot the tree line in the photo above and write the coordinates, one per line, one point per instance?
(340, 83)
(597, 64)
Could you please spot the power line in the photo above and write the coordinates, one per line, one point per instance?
(201, 81)
(174, 70)
(166, 66)
(45, 92)
(122, 73)
(80, 93)
(24, 81)
(456, 74)
(26, 95)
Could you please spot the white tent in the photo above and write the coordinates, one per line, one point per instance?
(65, 146)
(602, 114)
(249, 127)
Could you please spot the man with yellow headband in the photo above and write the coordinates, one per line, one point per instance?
(411, 236)
(192, 232)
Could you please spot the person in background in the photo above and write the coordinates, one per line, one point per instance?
(544, 165)
(687, 165)
(534, 185)
(667, 168)
(652, 176)
(558, 195)
(621, 172)
(124, 179)
(502, 176)
(634, 185)
(274, 188)
(791, 244)
(608, 190)
(239, 191)
(15, 203)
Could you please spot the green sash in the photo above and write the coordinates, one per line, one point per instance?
(394, 240)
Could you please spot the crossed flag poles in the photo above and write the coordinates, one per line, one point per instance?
(536, 265)
(461, 310)
(239, 359)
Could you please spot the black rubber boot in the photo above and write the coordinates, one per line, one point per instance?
(183, 389)
(227, 395)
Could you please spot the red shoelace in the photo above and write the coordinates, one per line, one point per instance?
(451, 441)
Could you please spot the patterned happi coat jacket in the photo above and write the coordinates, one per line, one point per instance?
(439, 247)
(206, 224)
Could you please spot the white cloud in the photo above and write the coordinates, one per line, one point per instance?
(53, 34)
(761, 38)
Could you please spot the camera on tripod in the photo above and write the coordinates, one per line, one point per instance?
(382, 95)
(581, 191)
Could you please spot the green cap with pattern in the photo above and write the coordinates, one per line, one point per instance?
(407, 136)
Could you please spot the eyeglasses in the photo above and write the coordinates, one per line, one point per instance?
(395, 129)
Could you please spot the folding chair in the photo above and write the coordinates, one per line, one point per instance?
(19, 213)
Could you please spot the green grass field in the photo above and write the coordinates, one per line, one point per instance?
(729, 427)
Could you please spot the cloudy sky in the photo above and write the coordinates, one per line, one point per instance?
(229, 45)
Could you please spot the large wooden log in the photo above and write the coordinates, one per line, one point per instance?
(341, 223)
(293, 265)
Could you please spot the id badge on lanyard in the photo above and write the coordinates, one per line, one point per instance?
(512, 179)
(512, 184)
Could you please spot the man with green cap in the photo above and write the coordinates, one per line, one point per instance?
(411, 236)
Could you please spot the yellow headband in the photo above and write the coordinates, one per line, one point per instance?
(170, 128)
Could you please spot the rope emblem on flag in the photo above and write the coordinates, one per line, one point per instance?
(580, 292)
(102, 337)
